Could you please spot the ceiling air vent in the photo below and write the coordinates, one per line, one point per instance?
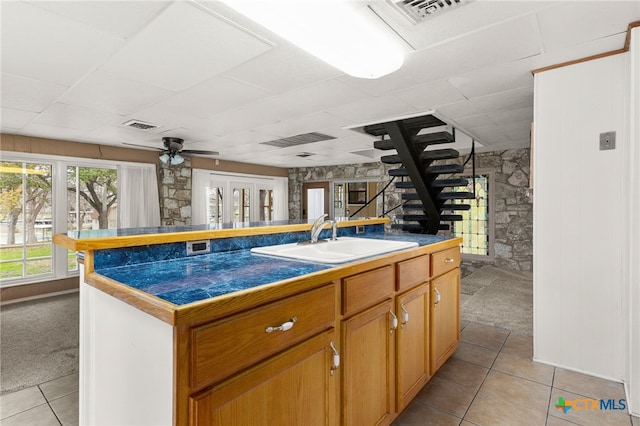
(137, 124)
(299, 140)
(421, 10)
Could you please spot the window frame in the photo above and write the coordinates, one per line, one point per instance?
(468, 174)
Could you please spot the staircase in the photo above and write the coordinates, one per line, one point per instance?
(427, 204)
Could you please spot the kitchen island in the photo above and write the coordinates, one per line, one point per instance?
(231, 337)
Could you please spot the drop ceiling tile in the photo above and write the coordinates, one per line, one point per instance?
(512, 115)
(51, 132)
(471, 122)
(566, 25)
(283, 68)
(183, 46)
(494, 79)
(16, 118)
(104, 92)
(430, 95)
(53, 43)
(28, 94)
(212, 97)
(73, 117)
(118, 18)
(305, 124)
(114, 134)
(373, 109)
(512, 99)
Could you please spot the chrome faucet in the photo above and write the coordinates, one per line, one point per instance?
(319, 225)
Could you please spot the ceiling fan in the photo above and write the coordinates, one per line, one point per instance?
(173, 151)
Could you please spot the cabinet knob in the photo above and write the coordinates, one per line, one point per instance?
(282, 327)
(449, 260)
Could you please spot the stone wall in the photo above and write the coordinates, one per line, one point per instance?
(174, 188)
(513, 216)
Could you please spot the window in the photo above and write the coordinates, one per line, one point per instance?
(42, 195)
(266, 204)
(215, 204)
(91, 201)
(476, 225)
(26, 216)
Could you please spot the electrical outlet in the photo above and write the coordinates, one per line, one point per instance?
(607, 140)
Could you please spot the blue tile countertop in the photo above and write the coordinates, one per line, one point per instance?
(190, 279)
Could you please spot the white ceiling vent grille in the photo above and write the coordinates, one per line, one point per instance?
(420, 10)
(299, 140)
(141, 125)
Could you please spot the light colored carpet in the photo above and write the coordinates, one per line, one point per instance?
(38, 341)
(499, 298)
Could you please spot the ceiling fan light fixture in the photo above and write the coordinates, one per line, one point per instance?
(164, 158)
(177, 159)
(333, 31)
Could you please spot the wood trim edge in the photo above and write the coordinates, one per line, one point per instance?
(624, 49)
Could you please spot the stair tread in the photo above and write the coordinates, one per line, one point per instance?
(405, 185)
(416, 229)
(391, 159)
(456, 195)
(443, 183)
(412, 125)
(419, 141)
(445, 168)
(453, 207)
(451, 217)
(398, 172)
(436, 170)
(439, 154)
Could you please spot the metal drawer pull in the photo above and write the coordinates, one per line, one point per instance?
(449, 260)
(284, 327)
(394, 322)
(437, 296)
(336, 358)
(405, 315)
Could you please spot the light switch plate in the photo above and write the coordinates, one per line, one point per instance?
(607, 140)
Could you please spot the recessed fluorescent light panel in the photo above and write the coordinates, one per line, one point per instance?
(332, 30)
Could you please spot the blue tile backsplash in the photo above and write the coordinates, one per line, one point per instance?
(109, 258)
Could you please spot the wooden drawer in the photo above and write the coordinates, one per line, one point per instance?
(444, 261)
(413, 272)
(366, 289)
(230, 345)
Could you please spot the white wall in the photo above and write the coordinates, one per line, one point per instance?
(580, 216)
(633, 385)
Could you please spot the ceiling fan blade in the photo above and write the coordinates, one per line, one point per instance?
(197, 151)
(143, 146)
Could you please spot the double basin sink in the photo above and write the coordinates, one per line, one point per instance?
(343, 249)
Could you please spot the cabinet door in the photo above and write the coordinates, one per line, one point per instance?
(297, 387)
(368, 370)
(444, 317)
(412, 343)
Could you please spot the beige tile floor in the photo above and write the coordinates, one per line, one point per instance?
(490, 380)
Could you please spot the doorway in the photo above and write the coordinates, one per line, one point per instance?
(315, 199)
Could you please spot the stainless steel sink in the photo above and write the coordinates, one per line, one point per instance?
(344, 249)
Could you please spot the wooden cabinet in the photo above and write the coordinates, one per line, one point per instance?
(368, 346)
(227, 346)
(389, 328)
(444, 317)
(297, 387)
(412, 357)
